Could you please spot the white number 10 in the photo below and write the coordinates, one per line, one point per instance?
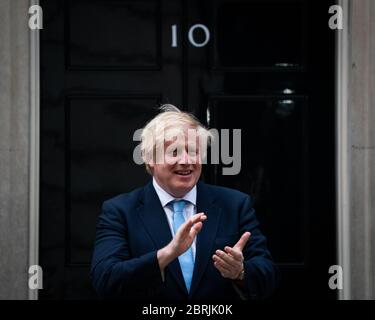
(191, 35)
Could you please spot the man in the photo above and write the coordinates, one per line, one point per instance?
(177, 238)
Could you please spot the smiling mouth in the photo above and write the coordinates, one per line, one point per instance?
(183, 172)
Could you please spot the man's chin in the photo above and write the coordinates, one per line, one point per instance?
(180, 190)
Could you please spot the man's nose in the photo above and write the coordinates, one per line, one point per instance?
(184, 157)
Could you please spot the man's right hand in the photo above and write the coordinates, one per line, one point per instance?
(182, 240)
(186, 234)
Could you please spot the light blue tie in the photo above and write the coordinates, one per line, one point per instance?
(186, 259)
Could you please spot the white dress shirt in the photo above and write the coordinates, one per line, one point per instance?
(189, 210)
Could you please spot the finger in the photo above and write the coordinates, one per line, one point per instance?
(192, 221)
(196, 218)
(195, 229)
(222, 263)
(227, 258)
(224, 273)
(242, 242)
(236, 254)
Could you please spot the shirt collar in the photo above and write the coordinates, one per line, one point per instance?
(166, 198)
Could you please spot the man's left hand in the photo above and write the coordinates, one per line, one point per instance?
(230, 262)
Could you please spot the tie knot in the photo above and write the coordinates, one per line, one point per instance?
(178, 205)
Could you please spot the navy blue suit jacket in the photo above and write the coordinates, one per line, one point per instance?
(133, 226)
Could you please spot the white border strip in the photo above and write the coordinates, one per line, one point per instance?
(34, 151)
(343, 150)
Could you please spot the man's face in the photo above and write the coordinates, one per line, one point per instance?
(180, 168)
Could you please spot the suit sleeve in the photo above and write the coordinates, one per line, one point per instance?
(114, 272)
(261, 274)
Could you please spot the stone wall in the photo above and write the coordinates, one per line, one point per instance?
(14, 149)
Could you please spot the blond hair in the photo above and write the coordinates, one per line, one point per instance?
(169, 123)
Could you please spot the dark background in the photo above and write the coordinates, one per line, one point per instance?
(268, 69)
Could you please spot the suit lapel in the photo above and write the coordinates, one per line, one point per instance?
(207, 235)
(153, 217)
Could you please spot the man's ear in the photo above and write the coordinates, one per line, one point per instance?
(151, 166)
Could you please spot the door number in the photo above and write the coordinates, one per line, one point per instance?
(174, 42)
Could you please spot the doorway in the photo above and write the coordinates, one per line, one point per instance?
(265, 67)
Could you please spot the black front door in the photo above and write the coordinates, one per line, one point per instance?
(265, 67)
